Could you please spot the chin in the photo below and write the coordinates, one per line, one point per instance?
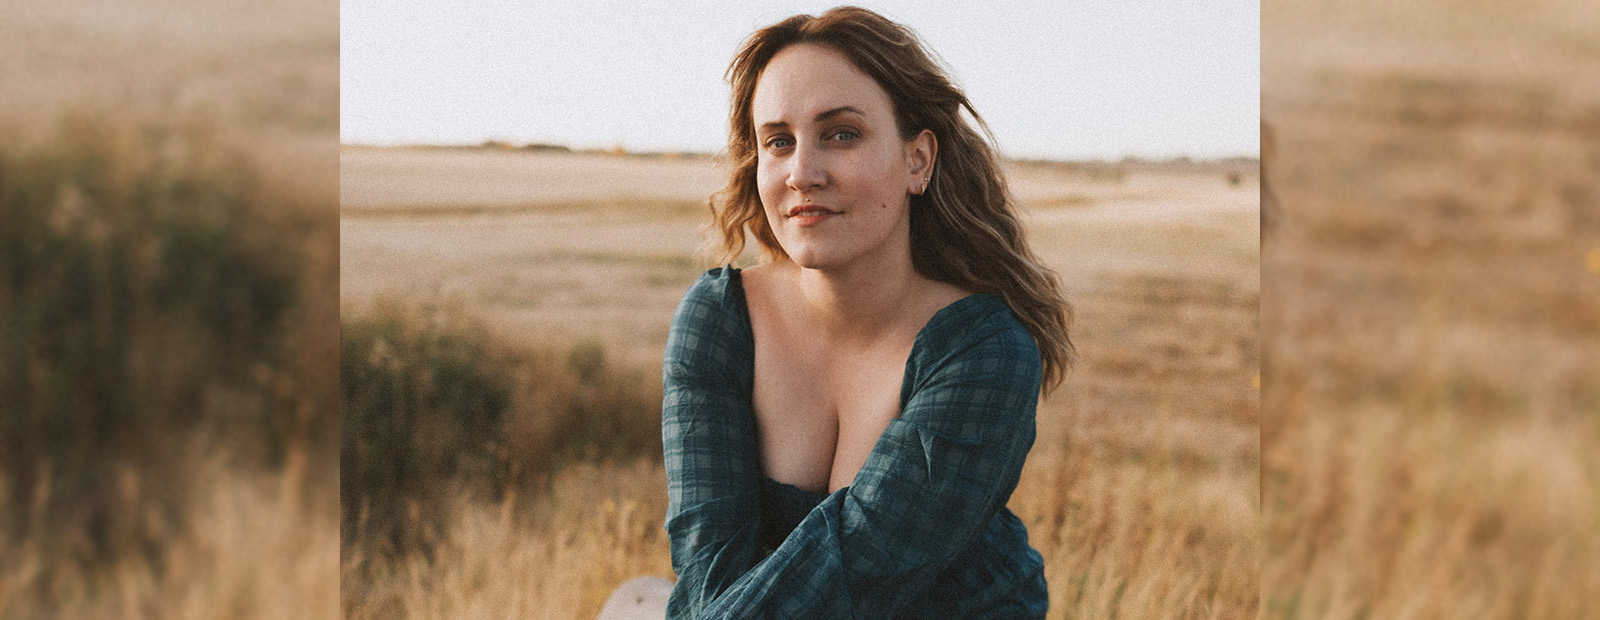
(812, 260)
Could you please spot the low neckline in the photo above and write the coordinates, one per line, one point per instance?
(736, 277)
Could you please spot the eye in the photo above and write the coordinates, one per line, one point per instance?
(779, 142)
(846, 135)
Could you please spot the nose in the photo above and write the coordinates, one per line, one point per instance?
(807, 168)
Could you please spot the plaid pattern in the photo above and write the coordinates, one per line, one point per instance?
(923, 531)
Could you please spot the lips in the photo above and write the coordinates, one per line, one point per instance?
(810, 210)
(808, 215)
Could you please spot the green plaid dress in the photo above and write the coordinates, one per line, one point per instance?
(922, 532)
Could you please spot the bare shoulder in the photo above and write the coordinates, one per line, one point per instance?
(763, 283)
(754, 277)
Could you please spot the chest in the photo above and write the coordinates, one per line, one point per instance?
(820, 408)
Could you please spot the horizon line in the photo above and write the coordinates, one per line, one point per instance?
(620, 150)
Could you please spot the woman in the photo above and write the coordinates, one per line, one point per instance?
(844, 423)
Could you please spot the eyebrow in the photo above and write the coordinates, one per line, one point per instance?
(820, 117)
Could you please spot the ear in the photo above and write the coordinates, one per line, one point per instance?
(921, 152)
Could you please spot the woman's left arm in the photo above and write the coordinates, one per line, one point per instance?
(936, 477)
(709, 438)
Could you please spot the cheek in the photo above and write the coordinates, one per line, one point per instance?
(771, 196)
(767, 183)
(884, 172)
(886, 184)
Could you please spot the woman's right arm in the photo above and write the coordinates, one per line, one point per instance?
(709, 440)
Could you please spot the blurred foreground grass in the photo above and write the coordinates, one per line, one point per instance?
(166, 383)
(1430, 378)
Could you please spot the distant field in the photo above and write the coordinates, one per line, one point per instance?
(1141, 492)
(543, 239)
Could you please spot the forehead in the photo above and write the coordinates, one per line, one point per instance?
(806, 79)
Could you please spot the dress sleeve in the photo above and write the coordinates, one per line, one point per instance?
(936, 477)
(709, 443)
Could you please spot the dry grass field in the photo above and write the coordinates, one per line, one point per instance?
(167, 331)
(1142, 491)
(1432, 311)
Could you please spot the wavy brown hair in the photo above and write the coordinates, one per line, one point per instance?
(964, 227)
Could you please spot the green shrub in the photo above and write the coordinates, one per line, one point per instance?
(144, 298)
(422, 404)
(431, 407)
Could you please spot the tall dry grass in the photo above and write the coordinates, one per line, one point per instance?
(1142, 492)
(253, 544)
(553, 554)
(1430, 377)
(1431, 447)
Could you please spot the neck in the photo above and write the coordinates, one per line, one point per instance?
(857, 303)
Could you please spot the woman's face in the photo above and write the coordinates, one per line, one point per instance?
(834, 176)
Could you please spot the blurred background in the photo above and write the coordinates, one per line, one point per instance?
(522, 191)
(1432, 408)
(168, 274)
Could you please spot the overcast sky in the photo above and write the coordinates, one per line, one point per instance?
(1088, 79)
